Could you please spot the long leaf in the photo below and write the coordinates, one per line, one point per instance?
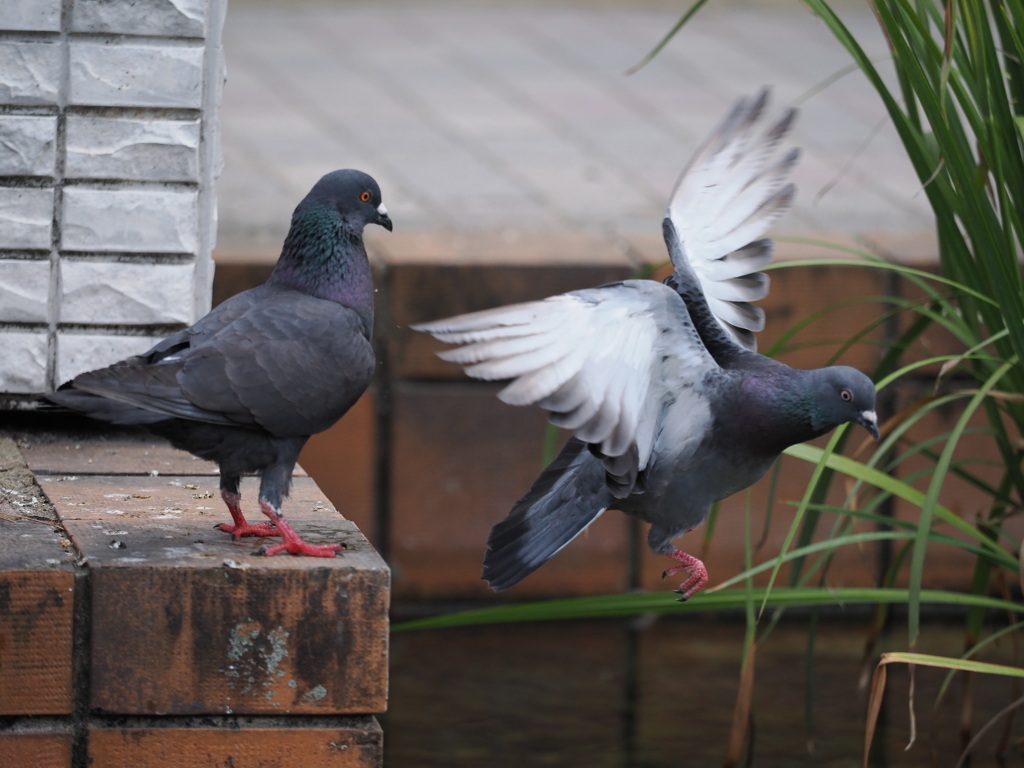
(664, 602)
(931, 503)
(900, 489)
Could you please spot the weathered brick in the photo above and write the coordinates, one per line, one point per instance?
(30, 15)
(350, 743)
(78, 353)
(35, 750)
(936, 340)
(116, 75)
(35, 631)
(28, 145)
(36, 598)
(342, 461)
(29, 73)
(430, 277)
(26, 218)
(167, 18)
(136, 220)
(460, 459)
(144, 150)
(976, 452)
(22, 362)
(187, 621)
(118, 293)
(24, 287)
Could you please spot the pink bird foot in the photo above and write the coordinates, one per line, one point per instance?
(241, 527)
(263, 530)
(292, 542)
(694, 567)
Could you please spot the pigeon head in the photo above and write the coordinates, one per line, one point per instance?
(353, 194)
(844, 394)
(323, 254)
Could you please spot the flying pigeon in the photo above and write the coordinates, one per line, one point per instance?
(251, 381)
(671, 406)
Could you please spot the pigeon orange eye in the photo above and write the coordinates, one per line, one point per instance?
(365, 197)
(847, 395)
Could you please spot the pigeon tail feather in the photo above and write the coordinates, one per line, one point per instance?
(104, 409)
(568, 496)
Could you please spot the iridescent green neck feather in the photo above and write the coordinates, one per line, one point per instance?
(324, 256)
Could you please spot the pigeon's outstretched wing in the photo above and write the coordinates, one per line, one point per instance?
(605, 361)
(725, 199)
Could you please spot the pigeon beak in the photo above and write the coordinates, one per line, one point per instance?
(382, 217)
(869, 420)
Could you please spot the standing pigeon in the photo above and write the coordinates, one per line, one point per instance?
(249, 383)
(672, 407)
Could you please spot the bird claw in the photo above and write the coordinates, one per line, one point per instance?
(238, 531)
(299, 547)
(698, 574)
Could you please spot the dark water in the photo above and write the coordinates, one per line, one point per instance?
(600, 694)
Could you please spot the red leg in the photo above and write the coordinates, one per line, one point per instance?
(242, 528)
(694, 567)
(293, 543)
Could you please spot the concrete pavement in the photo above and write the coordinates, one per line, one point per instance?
(512, 119)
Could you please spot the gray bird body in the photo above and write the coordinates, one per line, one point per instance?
(249, 383)
(671, 406)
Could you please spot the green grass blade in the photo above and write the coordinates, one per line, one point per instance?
(899, 489)
(931, 502)
(974, 651)
(665, 40)
(664, 602)
(819, 469)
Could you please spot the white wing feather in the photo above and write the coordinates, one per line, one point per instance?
(727, 197)
(599, 359)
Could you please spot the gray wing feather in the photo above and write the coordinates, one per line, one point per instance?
(603, 360)
(282, 360)
(727, 197)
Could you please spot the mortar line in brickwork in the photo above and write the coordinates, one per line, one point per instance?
(131, 113)
(212, 83)
(122, 257)
(231, 722)
(54, 295)
(886, 406)
(382, 462)
(122, 329)
(81, 653)
(155, 41)
(131, 184)
(34, 110)
(82, 596)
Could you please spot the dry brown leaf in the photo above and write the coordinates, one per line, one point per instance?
(874, 707)
(947, 366)
(741, 714)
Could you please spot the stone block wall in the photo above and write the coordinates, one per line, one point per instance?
(108, 153)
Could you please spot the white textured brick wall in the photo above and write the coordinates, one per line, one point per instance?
(108, 154)
(140, 150)
(78, 351)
